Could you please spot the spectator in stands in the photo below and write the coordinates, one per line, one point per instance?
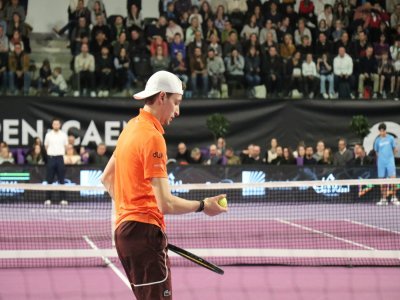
(14, 7)
(250, 28)
(101, 25)
(123, 71)
(172, 30)
(122, 42)
(268, 28)
(6, 156)
(325, 71)
(84, 71)
(14, 40)
(79, 33)
(104, 67)
(234, 69)
(343, 42)
(395, 17)
(206, 13)
(179, 68)
(301, 153)
(99, 42)
(209, 30)
(156, 42)
(134, 18)
(309, 156)
(305, 47)
(137, 46)
(360, 157)
(327, 158)
(35, 156)
(337, 31)
(18, 66)
(4, 46)
(215, 70)
(359, 47)
(343, 156)
(16, 24)
(271, 154)
(326, 15)
(294, 76)
(236, 10)
(252, 68)
(198, 69)
(198, 42)
(71, 157)
(196, 156)
(3, 75)
(269, 42)
(320, 148)
(387, 77)
(192, 29)
(343, 71)
(253, 42)
(214, 44)
(273, 72)
(254, 156)
(177, 45)
(184, 21)
(323, 28)
(96, 8)
(368, 70)
(221, 145)
(220, 18)
(310, 76)
(99, 157)
(159, 61)
(183, 154)
(213, 156)
(288, 158)
(227, 31)
(231, 158)
(300, 32)
(58, 85)
(323, 45)
(232, 43)
(341, 15)
(287, 48)
(118, 26)
(44, 77)
(278, 160)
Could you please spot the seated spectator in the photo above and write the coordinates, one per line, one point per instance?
(395, 17)
(253, 157)
(121, 42)
(232, 43)
(273, 14)
(284, 28)
(198, 70)
(213, 156)
(308, 157)
(159, 61)
(343, 42)
(273, 72)
(220, 18)
(99, 42)
(170, 13)
(182, 156)
(137, 47)
(288, 158)
(252, 68)
(271, 153)
(17, 24)
(196, 156)
(231, 158)
(123, 71)
(234, 69)
(221, 145)
(278, 160)
(323, 45)
(71, 157)
(134, 18)
(192, 29)
(360, 157)
(368, 69)
(214, 44)
(337, 31)
(323, 28)
(326, 15)
(343, 71)
(387, 77)
(292, 15)
(101, 25)
(198, 42)
(14, 40)
(300, 32)
(194, 13)
(184, 21)
(395, 48)
(14, 7)
(4, 44)
(96, 8)
(178, 67)
(104, 67)
(325, 71)
(84, 70)
(381, 47)
(327, 158)
(117, 27)
(250, 28)
(177, 45)
(301, 153)
(306, 11)
(156, 42)
(44, 79)
(99, 157)
(6, 156)
(79, 33)
(339, 14)
(319, 153)
(343, 156)
(294, 75)
(287, 48)
(3, 74)
(310, 76)
(58, 85)
(305, 47)
(35, 156)
(268, 28)
(253, 42)
(210, 30)
(216, 71)
(206, 12)
(269, 42)
(359, 46)
(18, 66)
(172, 30)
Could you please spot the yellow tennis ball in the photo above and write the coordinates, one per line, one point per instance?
(223, 202)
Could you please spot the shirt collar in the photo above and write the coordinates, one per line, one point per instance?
(151, 118)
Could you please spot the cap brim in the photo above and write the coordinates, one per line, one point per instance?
(144, 94)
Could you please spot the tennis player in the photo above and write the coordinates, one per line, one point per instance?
(136, 178)
(385, 148)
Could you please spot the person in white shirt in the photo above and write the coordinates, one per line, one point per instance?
(343, 71)
(310, 76)
(58, 84)
(55, 143)
(84, 70)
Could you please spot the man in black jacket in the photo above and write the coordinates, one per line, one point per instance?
(273, 69)
(368, 70)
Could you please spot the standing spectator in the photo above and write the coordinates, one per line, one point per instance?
(198, 68)
(182, 156)
(368, 69)
(343, 156)
(55, 142)
(35, 156)
(58, 85)
(215, 70)
(99, 157)
(310, 76)
(325, 71)
(84, 70)
(18, 65)
(104, 72)
(178, 67)
(273, 69)
(123, 71)
(309, 156)
(252, 67)
(44, 77)
(343, 71)
(160, 62)
(385, 148)
(234, 69)
(387, 78)
(319, 154)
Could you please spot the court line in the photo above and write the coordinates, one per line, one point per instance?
(108, 262)
(372, 226)
(325, 234)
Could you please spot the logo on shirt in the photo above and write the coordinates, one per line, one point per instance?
(167, 293)
(157, 154)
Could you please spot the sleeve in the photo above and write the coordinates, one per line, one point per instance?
(393, 143)
(376, 145)
(46, 140)
(155, 158)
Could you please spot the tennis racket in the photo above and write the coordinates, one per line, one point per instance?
(196, 259)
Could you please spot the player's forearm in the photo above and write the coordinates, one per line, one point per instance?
(177, 206)
(107, 179)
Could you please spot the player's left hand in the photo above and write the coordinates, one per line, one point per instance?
(211, 206)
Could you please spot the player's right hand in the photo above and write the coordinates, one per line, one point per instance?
(211, 206)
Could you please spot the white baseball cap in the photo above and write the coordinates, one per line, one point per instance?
(161, 81)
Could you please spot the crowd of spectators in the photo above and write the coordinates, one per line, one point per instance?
(276, 154)
(320, 48)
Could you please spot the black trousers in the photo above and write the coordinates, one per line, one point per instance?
(55, 167)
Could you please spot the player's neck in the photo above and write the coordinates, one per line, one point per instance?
(152, 110)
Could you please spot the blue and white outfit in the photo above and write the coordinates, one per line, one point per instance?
(384, 147)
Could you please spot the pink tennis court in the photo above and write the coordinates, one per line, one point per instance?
(280, 244)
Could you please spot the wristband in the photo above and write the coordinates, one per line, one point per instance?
(201, 207)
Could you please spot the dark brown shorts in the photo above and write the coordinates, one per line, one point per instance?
(142, 249)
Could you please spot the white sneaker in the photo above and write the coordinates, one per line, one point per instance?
(360, 96)
(92, 94)
(106, 93)
(325, 95)
(47, 202)
(311, 95)
(382, 202)
(64, 202)
(76, 93)
(100, 94)
(375, 96)
(395, 201)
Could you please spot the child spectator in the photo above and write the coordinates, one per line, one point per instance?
(58, 84)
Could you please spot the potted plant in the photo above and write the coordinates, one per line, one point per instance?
(360, 126)
(218, 125)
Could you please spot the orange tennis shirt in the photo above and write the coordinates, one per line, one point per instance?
(140, 155)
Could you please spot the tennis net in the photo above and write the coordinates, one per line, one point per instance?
(286, 223)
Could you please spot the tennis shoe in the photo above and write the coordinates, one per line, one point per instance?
(382, 202)
(64, 202)
(47, 202)
(395, 201)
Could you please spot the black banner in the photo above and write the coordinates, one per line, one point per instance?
(252, 121)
